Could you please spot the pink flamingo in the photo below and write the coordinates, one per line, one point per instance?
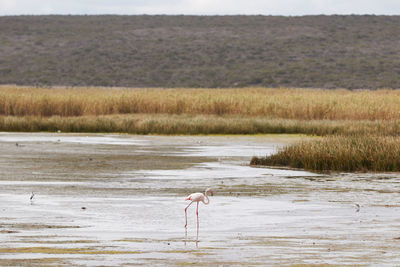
(197, 197)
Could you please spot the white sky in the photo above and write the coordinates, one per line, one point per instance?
(200, 7)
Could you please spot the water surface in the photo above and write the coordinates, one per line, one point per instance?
(118, 200)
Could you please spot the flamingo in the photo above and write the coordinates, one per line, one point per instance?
(197, 197)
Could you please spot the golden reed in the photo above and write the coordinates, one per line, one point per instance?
(298, 104)
(340, 153)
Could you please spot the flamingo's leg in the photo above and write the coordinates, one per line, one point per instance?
(185, 235)
(186, 213)
(197, 214)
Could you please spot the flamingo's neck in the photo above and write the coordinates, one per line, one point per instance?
(208, 200)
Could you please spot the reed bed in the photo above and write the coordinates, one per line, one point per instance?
(195, 124)
(169, 124)
(360, 128)
(340, 153)
(281, 103)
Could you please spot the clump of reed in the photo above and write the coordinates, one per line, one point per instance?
(278, 103)
(339, 153)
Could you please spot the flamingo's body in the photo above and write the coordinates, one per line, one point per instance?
(197, 197)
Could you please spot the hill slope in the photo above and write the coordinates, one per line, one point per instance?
(201, 51)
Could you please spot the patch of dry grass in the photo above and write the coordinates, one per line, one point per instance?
(194, 124)
(282, 103)
(362, 125)
(340, 153)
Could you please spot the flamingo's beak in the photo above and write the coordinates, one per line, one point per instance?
(211, 193)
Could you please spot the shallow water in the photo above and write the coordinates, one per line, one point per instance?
(115, 200)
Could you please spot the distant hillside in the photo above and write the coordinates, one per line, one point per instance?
(201, 51)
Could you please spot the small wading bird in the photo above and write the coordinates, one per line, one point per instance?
(197, 197)
(31, 198)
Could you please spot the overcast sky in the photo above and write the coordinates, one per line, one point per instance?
(200, 7)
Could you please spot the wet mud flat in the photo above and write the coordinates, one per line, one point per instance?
(116, 200)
